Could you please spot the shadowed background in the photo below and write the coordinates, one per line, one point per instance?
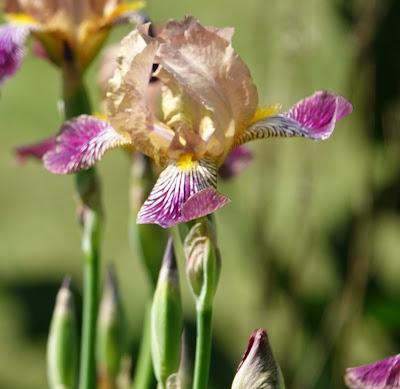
(310, 243)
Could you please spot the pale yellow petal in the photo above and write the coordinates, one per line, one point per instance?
(191, 121)
(127, 95)
(224, 32)
(204, 63)
(113, 11)
(40, 10)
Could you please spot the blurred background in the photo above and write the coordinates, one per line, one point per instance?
(311, 241)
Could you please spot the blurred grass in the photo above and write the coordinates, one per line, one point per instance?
(295, 229)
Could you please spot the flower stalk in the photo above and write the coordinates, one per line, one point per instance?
(76, 102)
(144, 374)
(147, 241)
(202, 268)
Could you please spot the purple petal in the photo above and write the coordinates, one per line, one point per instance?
(12, 50)
(203, 203)
(383, 374)
(237, 160)
(313, 117)
(176, 186)
(318, 114)
(82, 142)
(35, 150)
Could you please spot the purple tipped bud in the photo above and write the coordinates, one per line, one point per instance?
(62, 346)
(383, 374)
(258, 368)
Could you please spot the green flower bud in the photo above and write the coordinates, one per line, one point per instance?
(202, 261)
(110, 334)
(258, 368)
(166, 319)
(62, 344)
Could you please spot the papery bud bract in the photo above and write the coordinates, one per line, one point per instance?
(258, 368)
(166, 319)
(173, 381)
(110, 334)
(202, 261)
(62, 345)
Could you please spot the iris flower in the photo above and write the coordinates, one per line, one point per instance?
(209, 105)
(383, 374)
(237, 160)
(65, 28)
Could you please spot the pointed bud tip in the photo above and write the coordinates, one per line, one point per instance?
(111, 283)
(169, 259)
(259, 338)
(258, 368)
(66, 283)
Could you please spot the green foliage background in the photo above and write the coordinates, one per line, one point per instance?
(311, 241)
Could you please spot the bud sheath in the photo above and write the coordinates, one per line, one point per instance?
(110, 334)
(62, 345)
(166, 319)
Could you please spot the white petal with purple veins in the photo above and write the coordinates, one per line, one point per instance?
(173, 200)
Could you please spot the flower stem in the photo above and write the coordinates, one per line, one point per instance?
(87, 377)
(203, 264)
(147, 243)
(144, 375)
(76, 102)
(203, 347)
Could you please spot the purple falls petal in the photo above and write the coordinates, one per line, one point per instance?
(237, 160)
(313, 117)
(176, 186)
(203, 203)
(82, 141)
(35, 150)
(383, 374)
(318, 114)
(12, 48)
